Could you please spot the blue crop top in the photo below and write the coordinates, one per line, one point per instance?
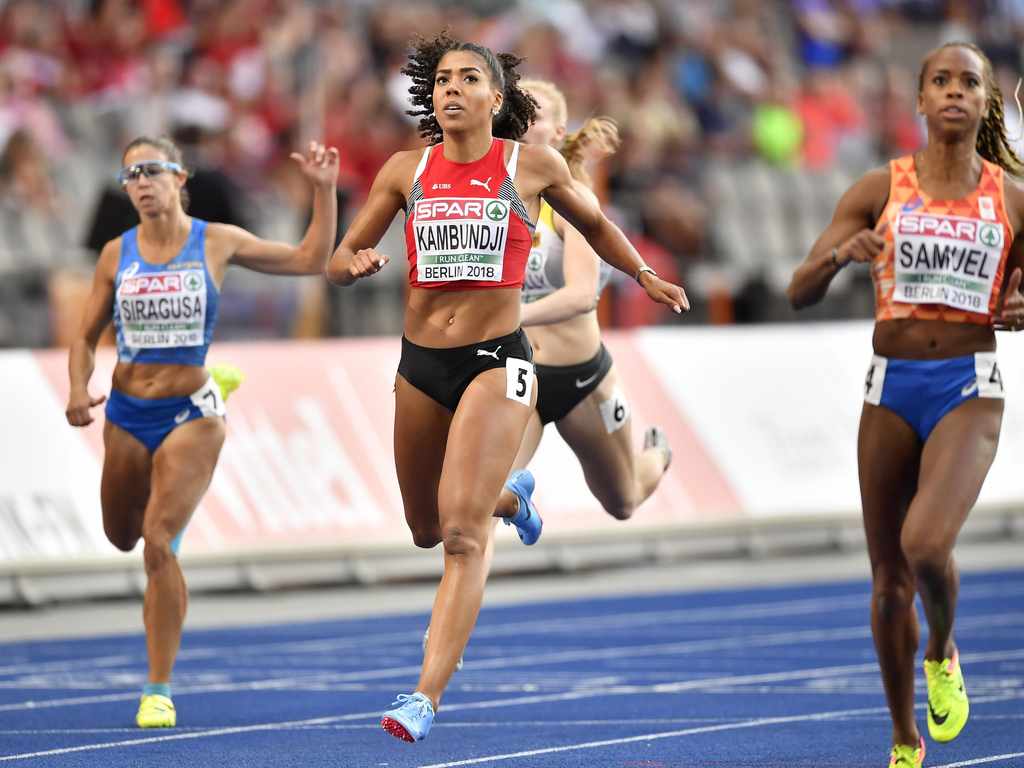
(165, 313)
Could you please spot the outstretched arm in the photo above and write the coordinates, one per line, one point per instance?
(579, 207)
(310, 256)
(581, 268)
(848, 238)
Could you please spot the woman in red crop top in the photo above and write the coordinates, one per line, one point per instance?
(464, 389)
(940, 231)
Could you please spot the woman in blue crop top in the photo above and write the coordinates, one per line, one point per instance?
(464, 390)
(160, 284)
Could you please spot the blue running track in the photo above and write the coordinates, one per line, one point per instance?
(753, 677)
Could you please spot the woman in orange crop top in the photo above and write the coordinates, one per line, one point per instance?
(464, 389)
(939, 230)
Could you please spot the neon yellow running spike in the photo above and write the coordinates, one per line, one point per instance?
(156, 711)
(947, 699)
(227, 377)
(905, 756)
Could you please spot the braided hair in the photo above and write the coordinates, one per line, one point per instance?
(992, 143)
(517, 108)
(170, 150)
(601, 131)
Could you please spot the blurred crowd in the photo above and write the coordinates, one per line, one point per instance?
(707, 93)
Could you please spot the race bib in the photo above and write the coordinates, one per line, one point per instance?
(518, 380)
(162, 309)
(614, 411)
(950, 260)
(209, 400)
(460, 239)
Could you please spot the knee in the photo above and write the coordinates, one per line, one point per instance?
(928, 557)
(893, 590)
(620, 502)
(425, 537)
(620, 509)
(157, 551)
(458, 543)
(122, 538)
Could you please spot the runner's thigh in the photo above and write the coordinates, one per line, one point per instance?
(606, 456)
(182, 469)
(888, 458)
(955, 460)
(421, 433)
(124, 486)
(484, 438)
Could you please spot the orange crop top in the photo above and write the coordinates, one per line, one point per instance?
(943, 259)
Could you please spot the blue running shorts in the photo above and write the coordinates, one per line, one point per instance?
(921, 392)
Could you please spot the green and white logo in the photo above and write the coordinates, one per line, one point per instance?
(991, 235)
(496, 210)
(193, 281)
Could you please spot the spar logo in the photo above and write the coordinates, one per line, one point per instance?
(497, 210)
(953, 227)
(991, 235)
(145, 284)
(193, 281)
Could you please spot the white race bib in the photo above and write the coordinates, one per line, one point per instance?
(950, 260)
(460, 239)
(159, 310)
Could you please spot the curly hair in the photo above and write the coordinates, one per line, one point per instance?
(171, 151)
(518, 108)
(601, 132)
(992, 143)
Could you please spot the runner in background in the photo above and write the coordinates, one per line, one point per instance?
(939, 232)
(465, 386)
(160, 284)
(580, 389)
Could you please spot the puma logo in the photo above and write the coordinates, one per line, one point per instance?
(493, 354)
(485, 184)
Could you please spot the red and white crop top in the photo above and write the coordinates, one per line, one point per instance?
(466, 227)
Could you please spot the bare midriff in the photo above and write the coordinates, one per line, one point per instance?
(443, 319)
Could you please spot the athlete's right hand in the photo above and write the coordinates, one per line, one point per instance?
(367, 262)
(78, 408)
(864, 246)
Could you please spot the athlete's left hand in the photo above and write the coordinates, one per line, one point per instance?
(1011, 316)
(322, 166)
(666, 293)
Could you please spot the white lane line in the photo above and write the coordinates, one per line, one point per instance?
(576, 626)
(702, 683)
(182, 736)
(320, 721)
(982, 760)
(652, 736)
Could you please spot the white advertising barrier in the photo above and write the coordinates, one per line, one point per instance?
(762, 421)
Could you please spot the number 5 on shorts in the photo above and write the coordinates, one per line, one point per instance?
(518, 380)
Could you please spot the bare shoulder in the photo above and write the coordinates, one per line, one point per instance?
(868, 195)
(222, 240)
(109, 258)
(402, 165)
(1013, 195)
(539, 168)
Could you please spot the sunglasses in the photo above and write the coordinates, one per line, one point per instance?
(152, 168)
